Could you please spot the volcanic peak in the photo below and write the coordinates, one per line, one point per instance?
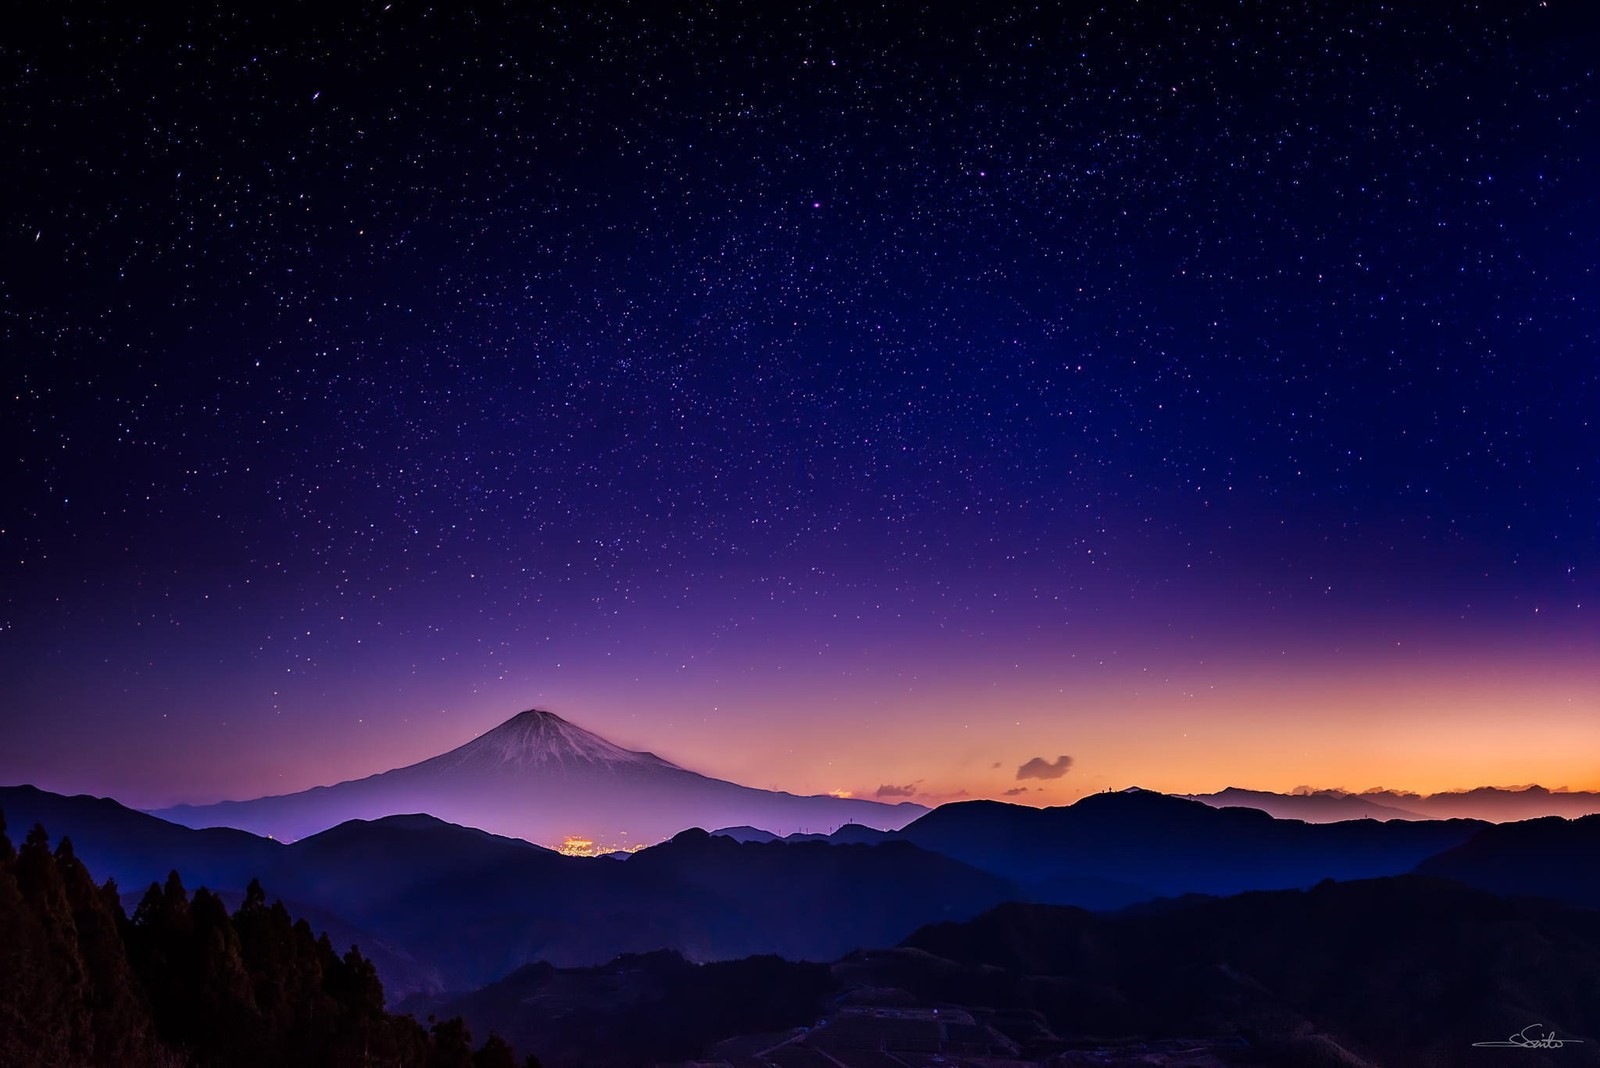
(539, 739)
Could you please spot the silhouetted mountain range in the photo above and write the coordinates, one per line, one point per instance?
(1489, 803)
(468, 906)
(710, 898)
(540, 778)
(441, 907)
(1113, 849)
(137, 849)
(1322, 806)
(850, 832)
(1549, 857)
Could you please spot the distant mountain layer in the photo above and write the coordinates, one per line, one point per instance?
(540, 778)
(850, 832)
(1489, 803)
(1114, 849)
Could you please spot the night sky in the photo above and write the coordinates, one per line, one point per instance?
(834, 397)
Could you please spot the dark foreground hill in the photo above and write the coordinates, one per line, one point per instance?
(1404, 971)
(645, 1008)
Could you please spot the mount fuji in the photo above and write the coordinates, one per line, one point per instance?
(543, 779)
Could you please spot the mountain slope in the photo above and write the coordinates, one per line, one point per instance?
(1550, 857)
(543, 779)
(641, 1008)
(1403, 971)
(137, 849)
(535, 739)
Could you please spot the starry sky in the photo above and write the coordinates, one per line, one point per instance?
(830, 396)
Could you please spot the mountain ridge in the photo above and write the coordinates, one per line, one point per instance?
(1493, 804)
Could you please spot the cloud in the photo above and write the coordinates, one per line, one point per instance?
(995, 766)
(897, 791)
(1014, 791)
(1040, 768)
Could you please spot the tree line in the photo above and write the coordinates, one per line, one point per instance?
(185, 984)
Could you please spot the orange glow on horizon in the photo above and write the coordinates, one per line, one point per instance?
(1400, 716)
(1428, 724)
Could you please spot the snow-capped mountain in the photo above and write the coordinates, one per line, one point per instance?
(539, 777)
(535, 739)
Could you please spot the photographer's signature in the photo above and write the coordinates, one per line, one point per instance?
(1530, 1037)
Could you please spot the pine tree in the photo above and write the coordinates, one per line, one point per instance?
(496, 1053)
(182, 984)
(23, 940)
(121, 1027)
(59, 992)
(267, 949)
(221, 1019)
(160, 947)
(452, 1045)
